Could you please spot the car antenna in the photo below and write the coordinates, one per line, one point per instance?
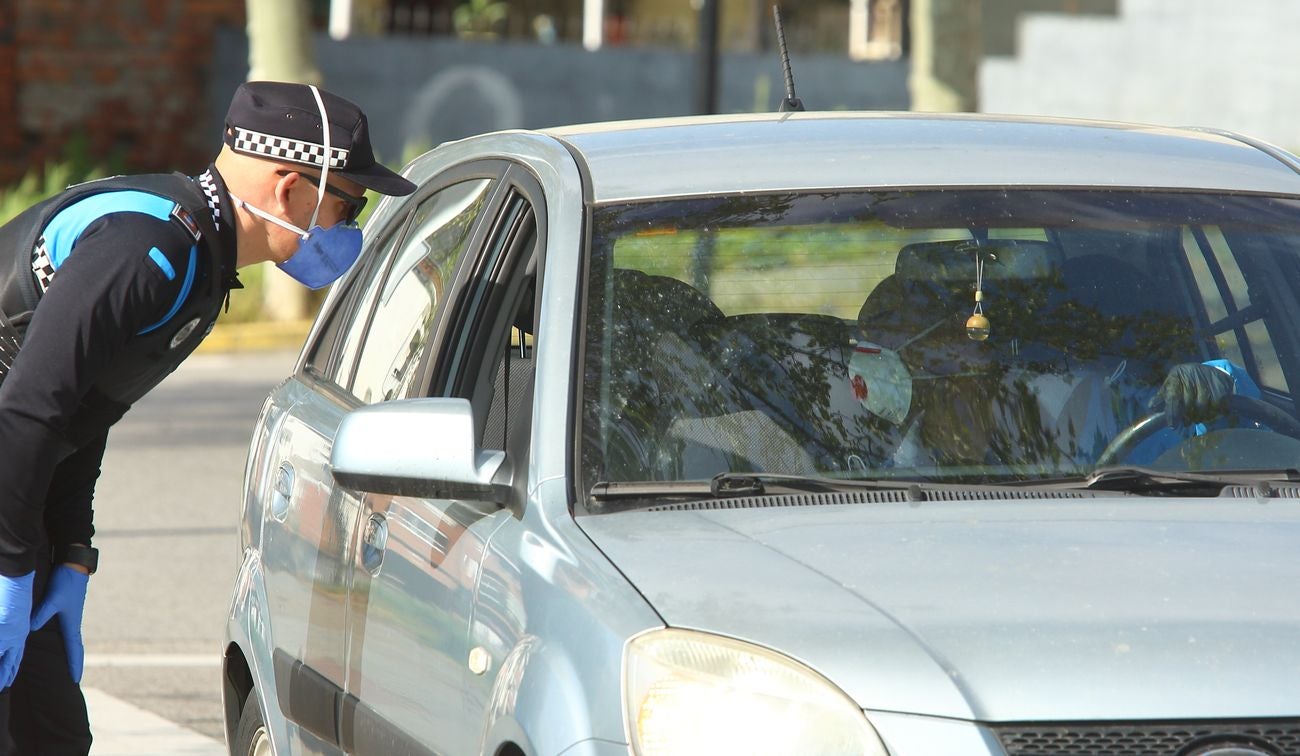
(790, 103)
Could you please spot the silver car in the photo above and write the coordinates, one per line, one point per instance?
(791, 434)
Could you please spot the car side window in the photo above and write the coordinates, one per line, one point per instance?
(1225, 294)
(413, 290)
(502, 390)
(332, 355)
(488, 357)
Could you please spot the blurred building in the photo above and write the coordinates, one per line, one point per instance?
(862, 29)
(1212, 63)
(147, 80)
(813, 26)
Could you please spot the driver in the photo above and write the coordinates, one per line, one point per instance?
(946, 400)
(1191, 397)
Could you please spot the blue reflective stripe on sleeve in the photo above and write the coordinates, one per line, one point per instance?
(185, 291)
(161, 261)
(63, 230)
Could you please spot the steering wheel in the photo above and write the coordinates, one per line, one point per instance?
(1238, 406)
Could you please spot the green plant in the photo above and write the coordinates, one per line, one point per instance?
(74, 166)
(479, 18)
(246, 303)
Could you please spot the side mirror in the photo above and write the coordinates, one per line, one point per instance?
(417, 447)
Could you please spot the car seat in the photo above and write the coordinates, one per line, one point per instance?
(774, 396)
(924, 305)
(643, 309)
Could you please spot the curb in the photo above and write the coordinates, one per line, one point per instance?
(261, 336)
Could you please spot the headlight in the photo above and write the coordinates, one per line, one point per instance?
(688, 693)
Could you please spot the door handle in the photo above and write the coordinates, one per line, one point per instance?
(283, 492)
(373, 542)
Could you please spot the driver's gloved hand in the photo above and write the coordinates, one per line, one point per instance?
(1192, 393)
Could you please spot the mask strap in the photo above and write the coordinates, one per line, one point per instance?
(325, 161)
(267, 216)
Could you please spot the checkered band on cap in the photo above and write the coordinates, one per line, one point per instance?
(284, 148)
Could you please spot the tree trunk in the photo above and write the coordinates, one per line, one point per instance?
(946, 52)
(279, 49)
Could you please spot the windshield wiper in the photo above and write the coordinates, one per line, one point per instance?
(757, 484)
(729, 484)
(736, 484)
(1146, 481)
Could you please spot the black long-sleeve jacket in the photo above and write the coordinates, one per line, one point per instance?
(137, 269)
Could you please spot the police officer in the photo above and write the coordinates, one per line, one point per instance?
(104, 290)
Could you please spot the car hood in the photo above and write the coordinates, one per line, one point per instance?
(1114, 608)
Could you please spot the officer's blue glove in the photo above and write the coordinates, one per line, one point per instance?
(1192, 393)
(15, 623)
(66, 597)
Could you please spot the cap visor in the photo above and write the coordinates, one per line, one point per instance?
(380, 179)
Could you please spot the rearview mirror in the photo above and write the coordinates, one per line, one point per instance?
(416, 447)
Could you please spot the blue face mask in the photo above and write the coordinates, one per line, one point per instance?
(324, 254)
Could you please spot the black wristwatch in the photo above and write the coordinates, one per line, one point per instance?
(75, 553)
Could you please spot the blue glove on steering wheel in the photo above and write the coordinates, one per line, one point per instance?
(15, 623)
(1192, 393)
(65, 596)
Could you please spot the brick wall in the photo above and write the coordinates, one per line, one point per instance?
(131, 75)
(10, 141)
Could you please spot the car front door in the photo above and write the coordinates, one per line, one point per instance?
(417, 561)
(308, 523)
(362, 353)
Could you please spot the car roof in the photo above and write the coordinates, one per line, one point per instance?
(631, 160)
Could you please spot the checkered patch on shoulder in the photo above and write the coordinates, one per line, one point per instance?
(283, 148)
(42, 266)
(183, 216)
(209, 186)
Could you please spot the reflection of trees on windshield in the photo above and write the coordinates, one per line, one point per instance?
(791, 368)
(1088, 296)
(1055, 371)
(1149, 336)
(733, 211)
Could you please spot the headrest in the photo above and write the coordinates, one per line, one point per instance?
(670, 303)
(954, 261)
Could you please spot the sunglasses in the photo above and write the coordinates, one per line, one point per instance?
(355, 204)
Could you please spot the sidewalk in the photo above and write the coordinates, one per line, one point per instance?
(121, 729)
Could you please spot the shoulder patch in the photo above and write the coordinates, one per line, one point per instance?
(185, 219)
(184, 333)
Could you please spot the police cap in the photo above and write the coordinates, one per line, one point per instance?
(281, 121)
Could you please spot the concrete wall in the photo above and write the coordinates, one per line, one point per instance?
(1001, 18)
(419, 92)
(1176, 62)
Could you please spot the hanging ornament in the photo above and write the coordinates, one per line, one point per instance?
(977, 325)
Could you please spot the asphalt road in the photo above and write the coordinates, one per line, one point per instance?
(166, 509)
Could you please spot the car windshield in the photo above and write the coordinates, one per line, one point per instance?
(839, 334)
